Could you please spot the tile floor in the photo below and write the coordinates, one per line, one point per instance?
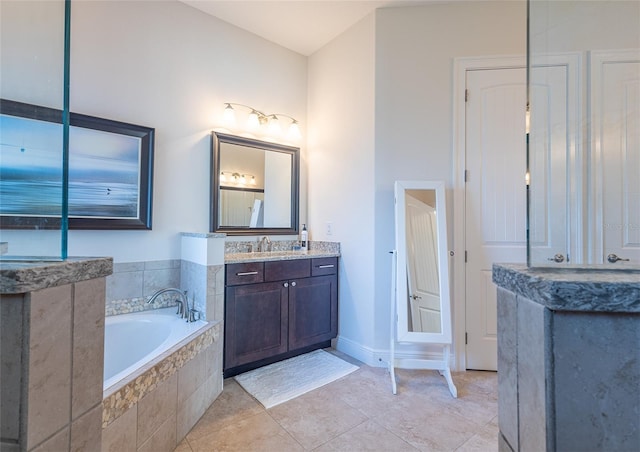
(357, 413)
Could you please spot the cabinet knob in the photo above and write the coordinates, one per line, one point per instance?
(286, 284)
(293, 283)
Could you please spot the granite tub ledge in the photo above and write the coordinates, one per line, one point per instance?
(588, 289)
(22, 276)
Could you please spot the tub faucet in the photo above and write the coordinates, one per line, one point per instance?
(265, 244)
(183, 303)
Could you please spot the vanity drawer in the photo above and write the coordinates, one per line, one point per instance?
(245, 273)
(292, 269)
(324, 266)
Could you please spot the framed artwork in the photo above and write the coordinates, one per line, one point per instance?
(110, 170)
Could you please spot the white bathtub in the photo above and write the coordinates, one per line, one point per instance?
(133, 340)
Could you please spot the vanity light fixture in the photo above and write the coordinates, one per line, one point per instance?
(257, 119)
(237, 178)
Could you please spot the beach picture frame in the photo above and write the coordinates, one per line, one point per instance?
(110, 170)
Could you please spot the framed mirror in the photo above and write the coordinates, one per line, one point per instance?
(254, 186)
(423, 302)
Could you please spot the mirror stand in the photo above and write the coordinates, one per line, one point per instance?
(421, 312)
(442, 366)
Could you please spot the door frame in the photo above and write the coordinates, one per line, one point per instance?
(460, 67)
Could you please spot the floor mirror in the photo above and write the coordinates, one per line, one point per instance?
(421, 307)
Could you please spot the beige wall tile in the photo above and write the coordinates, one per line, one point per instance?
(88, 345)
(156, 407)
(49, 355)
(163, 439)
(213, 387)
(86, 431)
(213, 353)
(120, 435)
(190, 411)
(191, 376)
(11, 370)
(58, 442)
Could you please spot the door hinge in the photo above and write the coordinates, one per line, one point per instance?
(466, 175)
(465, 256)
(466, 95)
(466, 338)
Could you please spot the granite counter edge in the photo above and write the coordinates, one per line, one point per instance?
(570, 293)
(18, 278)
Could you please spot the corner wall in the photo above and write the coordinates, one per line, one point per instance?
(381, 109)
(341, 105)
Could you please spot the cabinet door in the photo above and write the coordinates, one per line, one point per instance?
(256, 318)
(313, 310)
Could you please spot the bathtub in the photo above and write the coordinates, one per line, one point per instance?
(131, 341)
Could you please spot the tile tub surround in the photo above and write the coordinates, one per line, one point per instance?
(132, 284)
(568, 366)
(51, 348)
(155, 409)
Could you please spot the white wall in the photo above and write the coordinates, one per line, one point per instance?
(341, 104)
(360, 143)
(168, 66)
(415, 50)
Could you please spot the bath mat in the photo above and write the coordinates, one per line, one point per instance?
(276, 383)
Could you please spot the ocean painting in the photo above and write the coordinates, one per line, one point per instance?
(104, 171)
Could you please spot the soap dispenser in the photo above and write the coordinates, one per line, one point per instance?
(304, 243)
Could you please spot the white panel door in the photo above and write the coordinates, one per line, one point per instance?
(495, 191)
(615, 94)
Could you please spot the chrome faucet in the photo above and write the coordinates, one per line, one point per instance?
(264, 243)
(183, 303)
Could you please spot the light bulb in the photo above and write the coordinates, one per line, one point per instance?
(274, 125)
(253, 121)
(294, 130)
(229, 114)
(253, 180)
(223, 178)
(243, 180)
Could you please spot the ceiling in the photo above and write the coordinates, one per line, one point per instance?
(303, 26)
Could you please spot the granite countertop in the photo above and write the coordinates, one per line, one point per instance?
(21, 276)
(584, 288)
(236, 258)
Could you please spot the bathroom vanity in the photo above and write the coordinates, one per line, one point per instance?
(278, 305)
(568, 359)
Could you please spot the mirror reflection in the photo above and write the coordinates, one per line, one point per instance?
(422, 277)
(254, 186)
(422, 261)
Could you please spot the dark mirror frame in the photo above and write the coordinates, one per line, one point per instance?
(214, 220)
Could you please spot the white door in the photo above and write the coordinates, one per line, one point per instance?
(422, 267)
(495, 191)
(615, 94)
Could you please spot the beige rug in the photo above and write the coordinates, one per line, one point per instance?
(276, 383)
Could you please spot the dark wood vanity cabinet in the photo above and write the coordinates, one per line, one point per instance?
(278, 309)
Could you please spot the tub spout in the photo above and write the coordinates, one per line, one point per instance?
(182, 303)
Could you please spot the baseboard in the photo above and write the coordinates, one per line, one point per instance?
(380, 358)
